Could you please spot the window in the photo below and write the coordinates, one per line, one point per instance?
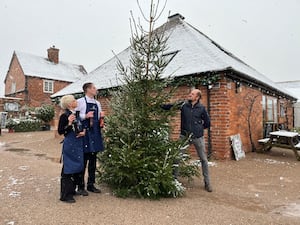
(282, 110)
(169, 56)
(48, 86)
(270, 109)
(13, 87)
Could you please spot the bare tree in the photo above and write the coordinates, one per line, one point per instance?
(250, 113)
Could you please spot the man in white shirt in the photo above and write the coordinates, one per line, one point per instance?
(90, 113)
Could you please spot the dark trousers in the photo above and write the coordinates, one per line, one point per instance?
(68, 184)
(90, 160)
(200, 148)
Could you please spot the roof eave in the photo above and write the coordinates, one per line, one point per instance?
(260, 83)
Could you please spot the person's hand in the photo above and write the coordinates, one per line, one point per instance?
(90, 114)
(71, 118)
(180, 102)
(81, 134)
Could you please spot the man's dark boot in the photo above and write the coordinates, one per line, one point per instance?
(92, 188)
(69, 199)
(208, 188)
(82, 192)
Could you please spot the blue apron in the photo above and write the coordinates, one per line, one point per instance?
(93, 139)
(72, 153)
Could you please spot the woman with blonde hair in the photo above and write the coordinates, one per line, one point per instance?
(72, 150)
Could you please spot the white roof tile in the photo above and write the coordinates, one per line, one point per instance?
(292, 86)
(196, 54)
(37, 66)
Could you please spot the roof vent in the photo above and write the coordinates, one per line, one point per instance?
(175, 17)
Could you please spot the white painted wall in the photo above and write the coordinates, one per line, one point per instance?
(297, 114)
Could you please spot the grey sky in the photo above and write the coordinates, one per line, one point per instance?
(265, 34)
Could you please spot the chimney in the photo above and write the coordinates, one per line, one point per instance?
(176, 17)
(53, 54)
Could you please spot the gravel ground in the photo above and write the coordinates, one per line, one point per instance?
(261, 189)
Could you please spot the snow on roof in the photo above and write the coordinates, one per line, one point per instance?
(196, 53)
(291, 86)
(37, 66)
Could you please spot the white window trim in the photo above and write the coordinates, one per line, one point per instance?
(49, 82)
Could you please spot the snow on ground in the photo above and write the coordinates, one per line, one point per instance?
(15, 194)
(2, 144)
(23, 168)
(198, 163)
(291, 210)
(272, 161)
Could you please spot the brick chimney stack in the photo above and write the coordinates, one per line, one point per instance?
(53, 54)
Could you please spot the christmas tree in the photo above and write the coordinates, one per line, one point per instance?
(140, 157)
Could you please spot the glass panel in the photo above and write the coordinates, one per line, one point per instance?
(282, 110)
(45, 86)
(50, 89)
(275, 110)
(48, 86)
(270, 113)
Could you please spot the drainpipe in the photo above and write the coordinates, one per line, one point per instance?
(26, 92)
(209, 147)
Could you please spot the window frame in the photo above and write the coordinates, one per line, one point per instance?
(273, 110)
(282, 110)
(46, 87)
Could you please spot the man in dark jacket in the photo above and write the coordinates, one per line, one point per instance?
(194, 119)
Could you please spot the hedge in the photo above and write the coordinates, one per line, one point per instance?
(28, 125)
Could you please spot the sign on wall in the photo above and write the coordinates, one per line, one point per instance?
(237, 146)
(11, 107)
(3, 117)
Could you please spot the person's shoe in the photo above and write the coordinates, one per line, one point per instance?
(208, 188)
(82, 192)
(68, 200)
(92, 188)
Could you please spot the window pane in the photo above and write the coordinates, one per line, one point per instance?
(282, 110)
(45, 86)
(50, 86)
(275, 110)
(270, 113)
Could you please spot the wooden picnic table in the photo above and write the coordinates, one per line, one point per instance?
(282, 139)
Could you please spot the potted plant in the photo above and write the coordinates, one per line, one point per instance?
(46, 114)
(10, 125)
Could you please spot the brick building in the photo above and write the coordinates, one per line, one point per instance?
(242, 100)
(9, 107)
(34, 78)
(294, 87)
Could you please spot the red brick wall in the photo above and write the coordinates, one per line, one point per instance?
(36, 95)
(240, 100)
(229, 108)
(289, 113)
(15, 74)
(220, 105)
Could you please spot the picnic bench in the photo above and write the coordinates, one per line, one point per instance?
(282, 139)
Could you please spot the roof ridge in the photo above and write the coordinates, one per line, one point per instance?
(198, 54)
(38, 66)
(38, 56)
(288, 81)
